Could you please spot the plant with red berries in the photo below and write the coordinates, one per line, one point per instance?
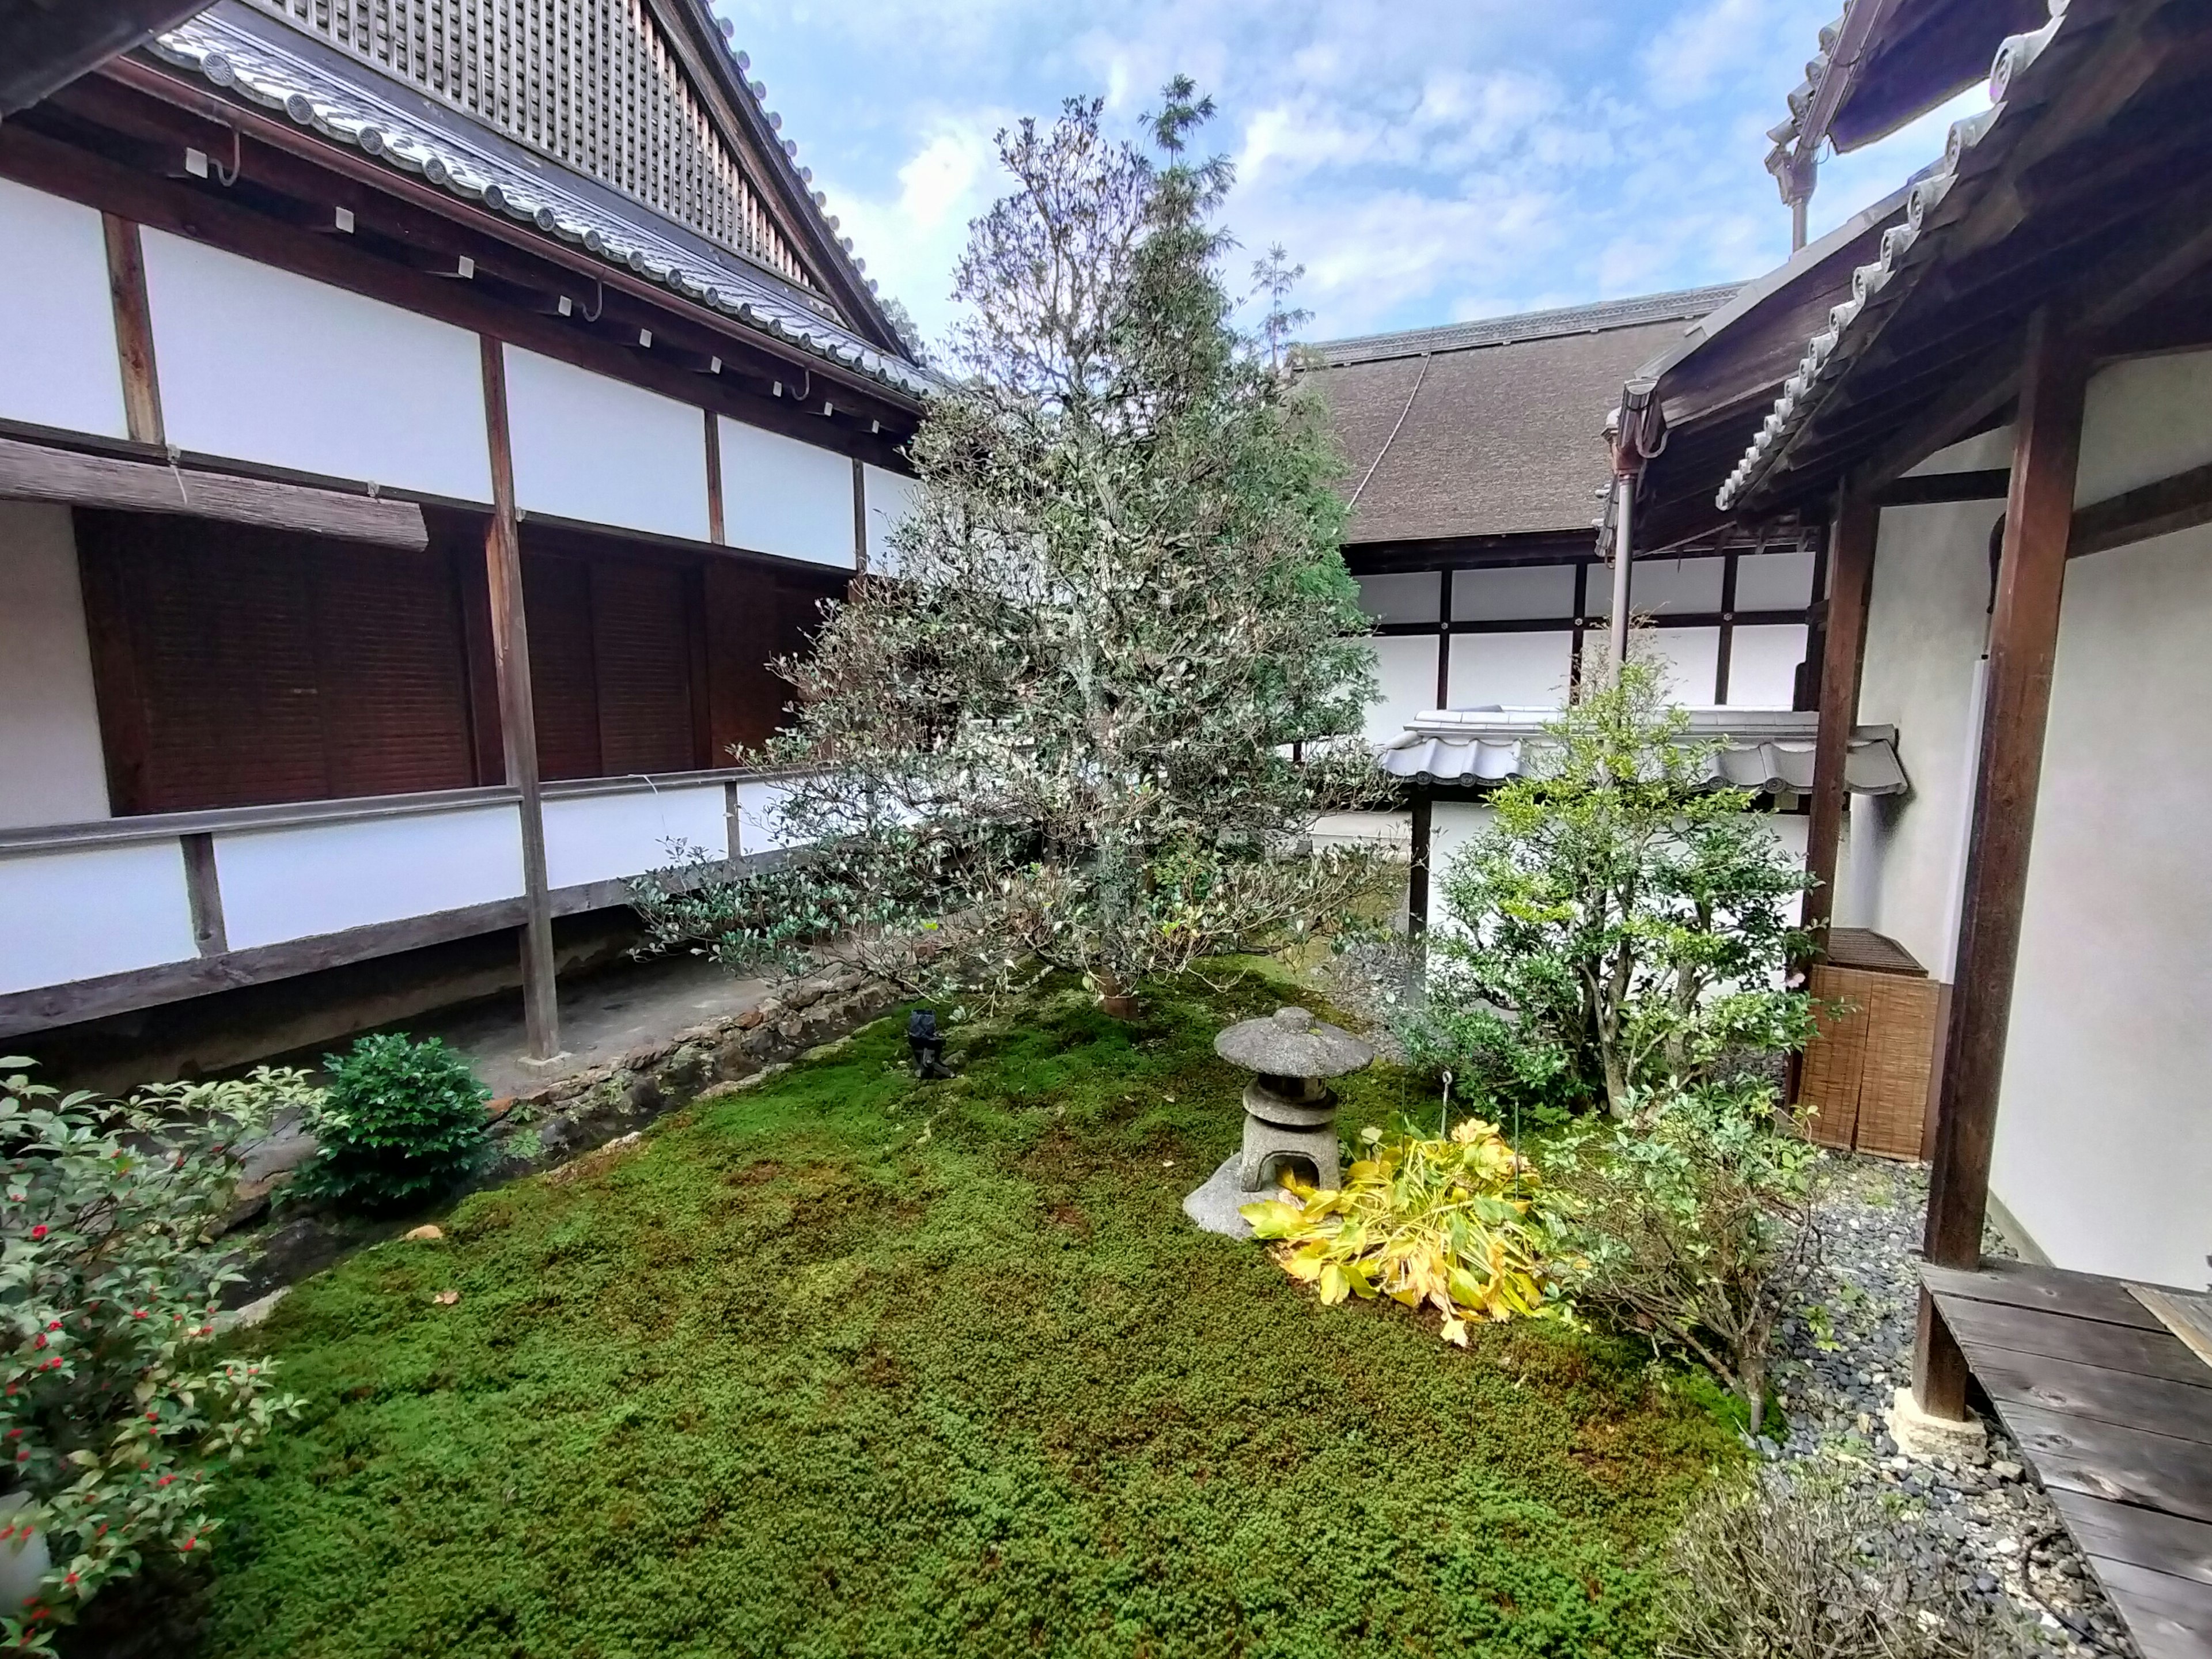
(114, 1411)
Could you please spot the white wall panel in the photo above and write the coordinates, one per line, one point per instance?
(1408, 596)
(1677, 586)
(1513, 594)
(1689, 659)
(890, 497)
(52, 767)
(2145, 419)
(1763, 663)
(1405, 668)
(782, 496)
(611, 837)
(605, 452)
(1513, 671)
(1773, 582)
(761, 828)
(264, 366)
(83, 911)
(2104, 1137)
(313, 878)
(57, 360)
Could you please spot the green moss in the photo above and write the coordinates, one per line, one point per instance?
(845, 1364)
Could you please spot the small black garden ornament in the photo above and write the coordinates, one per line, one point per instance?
(927, 1043)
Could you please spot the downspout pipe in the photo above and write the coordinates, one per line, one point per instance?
(1637, 436)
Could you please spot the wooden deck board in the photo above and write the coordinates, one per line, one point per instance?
(2142, 1538)
(2064, 1385)
(2020, 1285)
(2114, 1414)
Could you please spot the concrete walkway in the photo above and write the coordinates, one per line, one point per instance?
(605, 1014)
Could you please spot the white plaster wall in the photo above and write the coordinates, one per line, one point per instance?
(58, 359)
(1513, 670)
(2103, 1141)
(262, 365)
(782, 496)
(305, 879)
(890, 497)
(1664, 585)
(761, 826)
(84, 912)
(1927, 623)
(1406, 668)
(1513, 592)
(52, 767)
(2144, 420)
(1773, 582)
(1404, 596)
(1391, 830)
(1689, 660)
(598, 450)
(610, 837)
(1763, 662)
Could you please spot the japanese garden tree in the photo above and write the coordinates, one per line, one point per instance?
(1111, 673)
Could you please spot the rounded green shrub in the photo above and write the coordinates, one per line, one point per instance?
(401, 1122)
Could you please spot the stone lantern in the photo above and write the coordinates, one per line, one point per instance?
(1289, 1111)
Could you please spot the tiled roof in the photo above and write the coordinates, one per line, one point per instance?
(1766, 749)
(1908, 249)
(480, 166)
(1490, 428)
(1525, 326)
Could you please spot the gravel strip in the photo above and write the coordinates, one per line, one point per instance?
(1986, 1516)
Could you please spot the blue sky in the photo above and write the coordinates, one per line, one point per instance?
(1427, 160)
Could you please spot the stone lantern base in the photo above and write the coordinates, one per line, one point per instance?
(1279, 1123)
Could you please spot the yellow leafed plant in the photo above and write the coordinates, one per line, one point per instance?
(1452, 1224)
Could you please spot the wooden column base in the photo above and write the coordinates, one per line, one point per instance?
(1939, 1366)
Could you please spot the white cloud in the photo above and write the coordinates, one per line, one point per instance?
(1424, 163)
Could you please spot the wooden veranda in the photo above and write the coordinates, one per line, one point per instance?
(2113, 1412)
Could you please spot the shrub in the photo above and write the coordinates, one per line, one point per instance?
(1769, 1569)
(1621, 925)
(1446, 1223)
(113, 1413)
(402, 1122)
(1696, 1221)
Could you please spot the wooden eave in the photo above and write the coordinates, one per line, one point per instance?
(45, 46)
(693, 35)
(2092, 194)
(116, 141)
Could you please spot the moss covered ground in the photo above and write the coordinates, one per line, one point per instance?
(847, 1364)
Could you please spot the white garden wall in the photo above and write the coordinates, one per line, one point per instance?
(84, 912)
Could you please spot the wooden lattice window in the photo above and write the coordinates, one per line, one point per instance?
(590, 83)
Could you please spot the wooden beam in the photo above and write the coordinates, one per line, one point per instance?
(2023, 646)
(1980, 391)
(714, 531)
(33, 472)
(203, 894)
(1443, 637)
(2180, 502)
(541, 1009)
(860, 517)
(1417, 875)
(1850, 586)
(1936, 489)
(134, 329)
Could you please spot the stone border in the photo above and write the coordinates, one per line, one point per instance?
(569, 1116)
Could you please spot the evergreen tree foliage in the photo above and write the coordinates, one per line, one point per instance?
(1061, 727)
(1621, 924)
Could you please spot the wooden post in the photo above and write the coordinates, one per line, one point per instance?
(518, 717)
(134, 329)
(2023, 646)
(1851, 584)
(1417, 876)
(714, 530)
(1443, 637)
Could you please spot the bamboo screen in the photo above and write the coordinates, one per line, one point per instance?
(590, 83)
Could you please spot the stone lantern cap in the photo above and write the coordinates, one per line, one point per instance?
(1292, 1043)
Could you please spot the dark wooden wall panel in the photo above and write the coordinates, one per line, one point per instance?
(641, 641)
(557, 599)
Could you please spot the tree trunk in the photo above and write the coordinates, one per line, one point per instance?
(1116, 999)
